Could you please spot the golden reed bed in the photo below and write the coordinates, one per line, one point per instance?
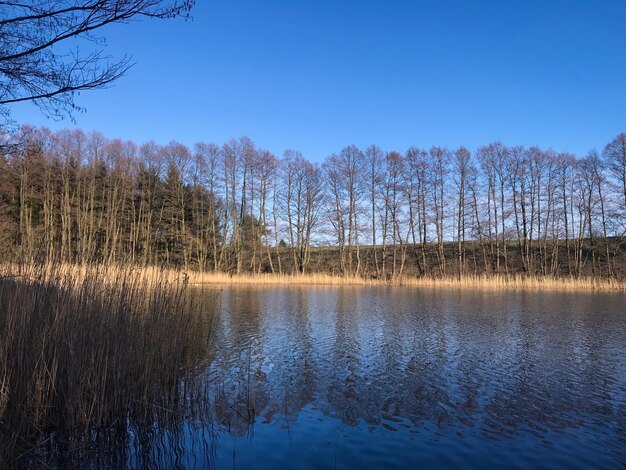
(157, 276)
(468, 282)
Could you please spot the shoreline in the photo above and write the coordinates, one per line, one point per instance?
(157, 276)
(486, 283)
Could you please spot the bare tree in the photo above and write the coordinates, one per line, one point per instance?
(565, 166)
(493, 162)
(462, 162)
(343, 175)
(79, 198)
(615, 155)
(268, 167)
(337, 210)
(302, 185)
(440, 160)
(592, 170)
(418, 167)
(40, 60)
(394, 200)
(206, 206)
(374, 157)
(518, 182)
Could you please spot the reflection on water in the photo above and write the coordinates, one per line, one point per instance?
(328, 377)
(316, 377)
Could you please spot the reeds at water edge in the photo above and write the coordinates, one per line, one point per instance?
(159, 277)
(488, 282)
(88, 355)
(117, 356)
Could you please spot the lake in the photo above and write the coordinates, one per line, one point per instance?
(327, 377)
(337, 377)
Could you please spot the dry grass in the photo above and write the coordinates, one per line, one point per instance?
(151, 277)
(516, 282)
(4, 394)
(567, 284)
(86, 352)
(107, 276)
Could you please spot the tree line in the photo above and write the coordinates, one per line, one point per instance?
(84, 198)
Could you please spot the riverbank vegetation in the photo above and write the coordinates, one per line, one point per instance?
(508, 212)
(157, 277)
(492, 282)
(86, 360)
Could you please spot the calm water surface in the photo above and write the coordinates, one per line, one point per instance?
(319, 377)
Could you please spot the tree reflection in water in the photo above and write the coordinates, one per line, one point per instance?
(312, 376)
(537, 372)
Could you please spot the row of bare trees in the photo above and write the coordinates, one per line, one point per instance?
(84, 198)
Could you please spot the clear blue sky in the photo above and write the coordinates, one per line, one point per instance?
(318, 75)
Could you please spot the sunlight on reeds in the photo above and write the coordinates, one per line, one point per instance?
(495, 282)
(517, 282)
(154, 277)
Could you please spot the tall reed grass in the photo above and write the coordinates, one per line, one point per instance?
(84, 354)
(492, 282)
(155, 276)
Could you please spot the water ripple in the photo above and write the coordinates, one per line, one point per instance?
(395, 377)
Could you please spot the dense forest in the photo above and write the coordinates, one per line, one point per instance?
(84, 198)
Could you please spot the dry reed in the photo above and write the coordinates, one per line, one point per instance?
(167, 278)
(171, 277)
(93, 350)
(87, 349)
(494, 282)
